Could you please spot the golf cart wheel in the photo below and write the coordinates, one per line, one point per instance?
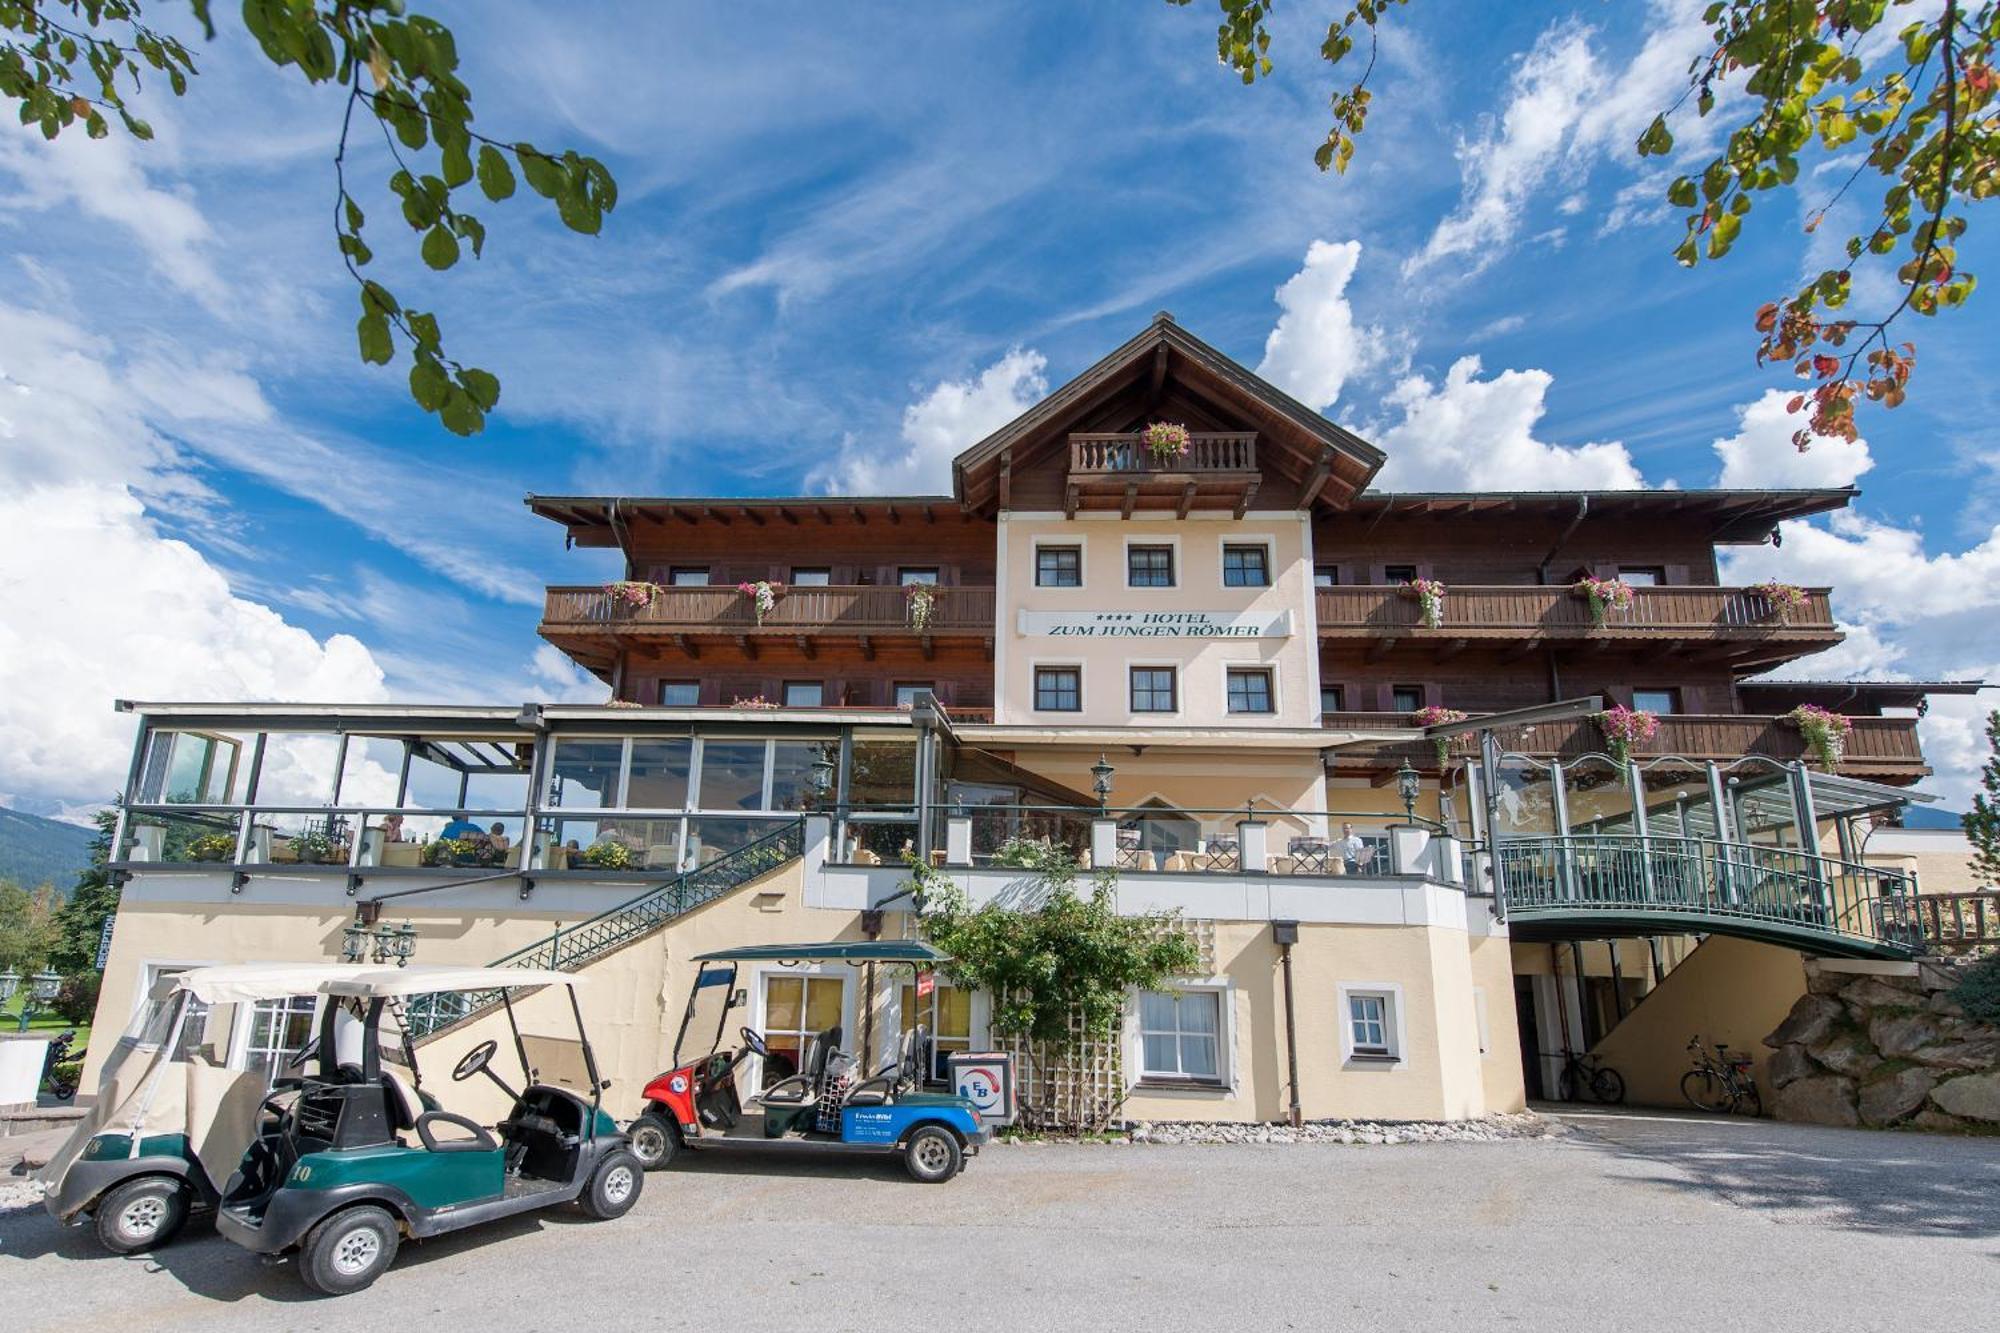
(932, 1156)
(142, 1214)
(653, 1141)
(349, 1250)
(614, 1186)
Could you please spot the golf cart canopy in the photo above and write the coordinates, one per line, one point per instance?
(241, 983)
(833, 951)
(385, 982)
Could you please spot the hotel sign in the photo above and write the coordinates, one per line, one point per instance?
(1157, 624)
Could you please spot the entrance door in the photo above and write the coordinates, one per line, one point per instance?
(1531, 1042)
(797, 1008)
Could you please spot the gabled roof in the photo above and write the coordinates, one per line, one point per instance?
(1302, 440)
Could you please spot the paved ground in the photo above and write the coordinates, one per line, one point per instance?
(1631, 1217)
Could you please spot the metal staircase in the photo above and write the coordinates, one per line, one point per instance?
(574, 948)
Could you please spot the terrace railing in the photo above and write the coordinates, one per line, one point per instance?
(1778, 894)
(872, 608)
(1656, 612)
(1208, 451)
(1960, 920)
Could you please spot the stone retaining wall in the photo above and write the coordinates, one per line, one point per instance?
(1880, 1048)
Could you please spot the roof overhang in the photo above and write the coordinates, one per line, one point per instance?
(610, 520)
(1731, 517)
(1194, 738)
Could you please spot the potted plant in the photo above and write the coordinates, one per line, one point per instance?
(608, 856)
(1825, 731)
(1781, 599)
(318, 847)
(460, 852)
(629, 595)
(1624, 728)
(1604, 596)
(763, 595)
(754, 701)
(921, 599)
(1430, 600)
(1437, 716)
(213, 847)
(1167, 441)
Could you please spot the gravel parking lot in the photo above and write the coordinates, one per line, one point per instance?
(1628, 1217)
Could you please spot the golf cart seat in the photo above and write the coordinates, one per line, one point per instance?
(793, 1101)
(898, 1076)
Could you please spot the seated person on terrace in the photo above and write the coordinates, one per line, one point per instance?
(497, 837)
(392, 828)
(461, 827)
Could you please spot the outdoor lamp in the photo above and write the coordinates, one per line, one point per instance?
(1407, 787)
(354, 941)
(1100, 781)
(400, 942)
(10, 981)
(45, 985)
(822, 774)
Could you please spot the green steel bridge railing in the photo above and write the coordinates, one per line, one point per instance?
(576, 947)
(1704, 885)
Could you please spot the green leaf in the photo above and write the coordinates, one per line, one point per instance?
(353, 211)
(545, 177)
(440, 248)
(496, 178)
(484, 388)
(461, 416)
(376, 299)
(429, 385)
(456, 164)
(1657, 140)
(425, 327)
(579, 213)
(377, 349)
(1681, 194)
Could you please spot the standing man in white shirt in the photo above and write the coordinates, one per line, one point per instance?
(1351, 849)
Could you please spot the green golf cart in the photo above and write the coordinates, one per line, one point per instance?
(338, 1180)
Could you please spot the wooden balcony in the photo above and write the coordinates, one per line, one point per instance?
(1878, 747)
(873, 609)
(1118, 471)
(1737, 625)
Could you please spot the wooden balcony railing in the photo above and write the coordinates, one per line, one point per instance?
(1960, 920)
(872, 609)
(1557, 612)
(1886, 745)
(1208, 451)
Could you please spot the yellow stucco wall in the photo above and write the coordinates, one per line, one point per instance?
(1218, 781)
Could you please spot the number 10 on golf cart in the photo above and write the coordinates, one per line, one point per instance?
(828, 1102)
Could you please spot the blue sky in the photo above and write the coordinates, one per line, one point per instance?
(847, 244)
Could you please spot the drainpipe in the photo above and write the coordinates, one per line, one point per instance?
(1285, 934)
(1582, 511)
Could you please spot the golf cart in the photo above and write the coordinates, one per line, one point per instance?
(337, 1179)
(171, 1120)
(822, 1104)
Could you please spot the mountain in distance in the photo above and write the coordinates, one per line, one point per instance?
(35, 851)
(1923, 816)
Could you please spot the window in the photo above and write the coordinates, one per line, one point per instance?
(804, 693)
(1058, 566)
(792, 771)
(817, 577)
(1249, 690)
(658, 779)
(1326, 576)
(1246, 567)
(947, 1014)
(1149, 566)
(732, 775)
(1153, 690)
(680, 693)
(1180, 1035)
(797, 1009)
(1058, 689)
(688, 576)
(1642, 576)
(586, 773)
(909, 691)
(911, 574)
(279, 1030)
(1368, 1024)
(1330, 700)
(1657, 701)
(1398, 573)
(1406, 698)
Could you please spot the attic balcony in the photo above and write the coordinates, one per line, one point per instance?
(1880, 748)
(1738, 626)
(590, 622)
(1117, 471)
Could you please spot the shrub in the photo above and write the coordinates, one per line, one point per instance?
(1979, 991)
(77, 1000)
(608, 856)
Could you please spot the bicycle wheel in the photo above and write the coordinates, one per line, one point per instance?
(1566, 1084)
(1748, 1100)
(1704, 1091)
(1608, 1086)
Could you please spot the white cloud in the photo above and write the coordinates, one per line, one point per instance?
(1761, 455)
(944, 422)
(1479, 434)
(111, 609)
(1316, 345)
(1908, 614)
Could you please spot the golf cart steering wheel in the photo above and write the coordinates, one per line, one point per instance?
(474, 1060)
(756, 1043)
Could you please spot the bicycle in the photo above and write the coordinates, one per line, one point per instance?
(1721, 1082)
(1587, 1071)
(58, 1054)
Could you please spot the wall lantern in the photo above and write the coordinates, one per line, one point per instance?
(1407, 786)
(1100, 781)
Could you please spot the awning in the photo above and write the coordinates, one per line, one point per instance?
(239, 983)
(833, 951)
(382, 982)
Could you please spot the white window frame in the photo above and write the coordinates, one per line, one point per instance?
(1082, 564)
(797, 570)
(1180, 701)
(1391, 993)
(1270, 564)
(244, 1027)
(1035, 694)
(707, 573)
(1268, 668)
(849, 1034)
(890, 1036)
(694, 684)
(1225, 1054)
(1179, 571)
